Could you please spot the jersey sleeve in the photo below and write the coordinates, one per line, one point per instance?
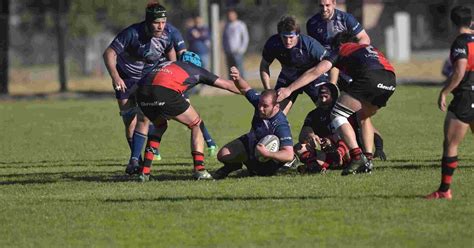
(332, 56)
(353, 25)
(253, 97)
(206, 77)
(268, 54)
(283, 132)
(458, 50)
(316, 50)
(177, 40)
(122, 40)
(308, 121)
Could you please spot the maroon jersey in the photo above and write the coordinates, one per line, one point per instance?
(463, 48)
(354, 59)
(179, 76)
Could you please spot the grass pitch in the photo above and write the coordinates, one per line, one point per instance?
(62, 184)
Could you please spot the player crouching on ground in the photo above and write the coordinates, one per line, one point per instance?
(319, 148)
(373, 84)
(160, 97)
(267, 119)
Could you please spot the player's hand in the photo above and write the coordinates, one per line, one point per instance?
(119, 85)
(442, 101)
(283, 93)
(234, 73)
(379, 153)
(262, 150)
(313, 141)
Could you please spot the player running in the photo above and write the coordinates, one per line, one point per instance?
(460, 112)
(296, 53)
(374, 83)
(267, 119)
(160, 97)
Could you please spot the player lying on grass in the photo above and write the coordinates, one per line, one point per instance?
(160, 97)
(319, 148)
(373, 84)
(267, 119)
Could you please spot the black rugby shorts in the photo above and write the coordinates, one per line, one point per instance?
(374, 86)
(158, 101)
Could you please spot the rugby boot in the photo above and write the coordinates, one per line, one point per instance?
(221, 173)
(133, 167)
(439, 195)
(156, 155)
(212, 151)
(356, 166)
(202, 175)
(144, 177)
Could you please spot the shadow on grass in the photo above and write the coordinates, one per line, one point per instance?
(76, 163)
(259, 198)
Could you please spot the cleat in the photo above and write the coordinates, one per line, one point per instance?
(220, 174)
(156, 157)
(133, 167)
(212, 151)
(202, 175)
(361, 165)
(144, 177)
(293, 163)
(440, 195)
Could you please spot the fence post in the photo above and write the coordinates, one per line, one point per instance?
(4, 45)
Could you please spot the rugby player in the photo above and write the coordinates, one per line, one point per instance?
(460, 112)
(160, 97)
(373, 84)
(296, 53)
(267, 119)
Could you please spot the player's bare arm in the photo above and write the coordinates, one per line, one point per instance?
(285, 154)
(458, 74)
(226, 85)
(171, 55)
(110, 59)
(310, 75)
(363, 37)
(265, 73)
(239, 82)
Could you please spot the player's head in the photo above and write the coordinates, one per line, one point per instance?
(155, 18)
(326, 8)
(268, 105)
(343, 37)
(232, 15)
(327, 95)
(191, 57)
(289, 31)
(461, 16)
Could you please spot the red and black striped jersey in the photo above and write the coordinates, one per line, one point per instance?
(463, 48)
(355, 59)
(178, 76)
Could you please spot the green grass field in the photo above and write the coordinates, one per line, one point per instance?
(62, 184)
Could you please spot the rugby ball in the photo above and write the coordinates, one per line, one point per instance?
(271, 142)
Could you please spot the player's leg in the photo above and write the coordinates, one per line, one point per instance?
(128, 112)
(367, 128)
(153, 144)
(231, 155)
(191, 119)
(454, 132)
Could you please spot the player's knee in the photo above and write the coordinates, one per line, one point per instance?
(195, 123)
(129, 114)
(339, 115)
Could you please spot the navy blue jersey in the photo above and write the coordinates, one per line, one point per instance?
(178, 76)
(324, 31)
(355, 59)
(294, 61)
(277, 125)
(138, 51)
(463, 48)
(319, 119)
(176, 37)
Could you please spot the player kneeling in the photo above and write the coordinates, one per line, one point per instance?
(268, 119)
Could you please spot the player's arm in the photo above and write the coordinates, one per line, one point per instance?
(285, 154)
(226, 85)
(171, 54)
(307, 134)
(265, 73)
(110, 60)
(363, 37)
(239, 82)
(459, 69)
(307, 77)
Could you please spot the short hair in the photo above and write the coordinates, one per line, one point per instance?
(288, 24)
(270, 93)
(343, 37)
(461, 16)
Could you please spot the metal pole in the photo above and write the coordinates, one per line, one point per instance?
(215, 38)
